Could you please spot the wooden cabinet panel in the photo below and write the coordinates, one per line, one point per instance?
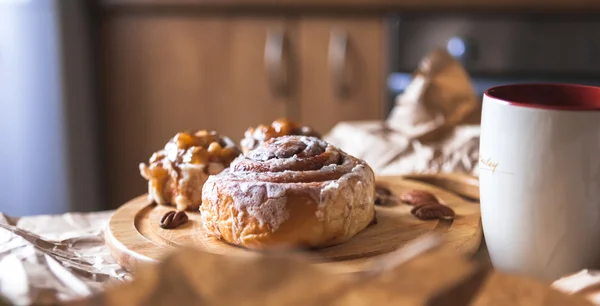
(164, 74)
(380, 7)
(342, 70)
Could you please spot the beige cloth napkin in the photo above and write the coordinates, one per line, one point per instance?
(584, 283)
(433, 126)
(68, 259)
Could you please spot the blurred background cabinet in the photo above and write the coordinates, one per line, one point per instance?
(164, 73)
(343, 74)
(141, 70)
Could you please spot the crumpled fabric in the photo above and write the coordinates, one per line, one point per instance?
(585, 283)
(439, 98)
(433, 126)
(68, 260)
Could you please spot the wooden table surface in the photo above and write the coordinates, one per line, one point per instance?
(483, 256)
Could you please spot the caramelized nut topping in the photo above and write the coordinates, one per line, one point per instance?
(201, 133)
(226, 152)
(253, 137)
(199, 148)
(283, 126)
(184, 140)
(214, 149)
(172, 180)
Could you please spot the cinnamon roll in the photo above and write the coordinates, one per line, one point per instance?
(253, 137)
(177, 173)
(292, 191)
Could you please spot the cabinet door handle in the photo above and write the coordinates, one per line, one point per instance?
(338, 53)
(275, 62)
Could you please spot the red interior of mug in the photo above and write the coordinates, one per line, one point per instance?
(548, 96)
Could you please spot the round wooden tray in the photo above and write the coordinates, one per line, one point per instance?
(134, 237)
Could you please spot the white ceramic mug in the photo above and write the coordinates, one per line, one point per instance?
(540, 178)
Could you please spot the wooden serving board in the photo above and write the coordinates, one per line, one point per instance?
(134, 236)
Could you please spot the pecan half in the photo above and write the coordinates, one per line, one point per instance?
(433, 210)
(173, 219)
(418, 197)
(382, 194)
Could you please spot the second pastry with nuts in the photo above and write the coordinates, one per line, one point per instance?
(177, 173)
(254, 137)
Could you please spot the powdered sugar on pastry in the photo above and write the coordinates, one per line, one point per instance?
(275, 190)
(263, 201)
(347, 186)
(293, 186)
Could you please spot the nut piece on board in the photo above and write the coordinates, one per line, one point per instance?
(382, 194)
(433, 211)
(173, 219)
(417, 197)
